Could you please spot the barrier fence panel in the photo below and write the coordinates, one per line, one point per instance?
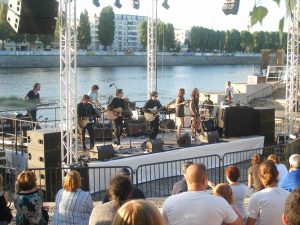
(157, 179)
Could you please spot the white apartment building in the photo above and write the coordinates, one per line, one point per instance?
(181, 35)
(127, 32)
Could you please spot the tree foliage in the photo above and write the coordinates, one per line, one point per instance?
(106, 27)
(84, 30)
(5, 29)
(143, 34)
(169, 41)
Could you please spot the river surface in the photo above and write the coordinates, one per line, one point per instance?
(16, 82)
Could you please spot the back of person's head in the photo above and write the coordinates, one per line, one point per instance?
(1, 182)
(232, 173)
(268, 173)
(185, 166)
(72, 181)
(256, 159)
(120, 189)
(292, 208)
(138, 212)
(196, 175)
(124, 171)
(26, 180)
(224, 190)
(153, 94)
(294, 160)
(274, 158)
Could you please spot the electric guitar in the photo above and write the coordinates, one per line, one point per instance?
(83, 121)
(150, 116)
(115, 113)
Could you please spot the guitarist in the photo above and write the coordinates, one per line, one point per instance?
(84, 111)
(117, 103)
(152, 103)
(34, 97)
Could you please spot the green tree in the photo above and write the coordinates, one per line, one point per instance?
(160, 35)
(169, 41)
(46, 39)
(259, 39)
(84, 30)
(246, 41)
(143, 34)
(106, 27)
(31, 38)
(5, 29)
(16, 38)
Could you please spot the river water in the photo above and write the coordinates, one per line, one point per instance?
(16, 82)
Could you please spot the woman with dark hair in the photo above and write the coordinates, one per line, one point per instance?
(180, 109)
(282, 170)
(119, 190)
(5, 215)
(253, 179)
(29, 200)
(239, 190)
(73, 206)
(194, 106)
(266, 206)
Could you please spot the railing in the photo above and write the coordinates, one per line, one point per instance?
(275, 73)
(155, 180)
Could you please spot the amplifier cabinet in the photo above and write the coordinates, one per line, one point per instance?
(102, 132)
(44, 139)
(266, 123)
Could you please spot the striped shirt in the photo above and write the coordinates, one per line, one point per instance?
(72, 208)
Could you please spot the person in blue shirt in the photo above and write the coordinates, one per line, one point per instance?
(292, 179)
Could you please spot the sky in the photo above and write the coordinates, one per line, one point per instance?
(184, 14)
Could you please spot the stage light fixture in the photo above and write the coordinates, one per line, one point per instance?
(165, 4)
(231, 7)
(118, 4)
(136, 4)
(96, 3)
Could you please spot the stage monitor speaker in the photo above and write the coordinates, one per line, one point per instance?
(135, 127)
(155, 145)
(83, 169)
(105, 152)
(184, 140)
(34, 8)
(211, 137)
(102, 132)
(31, 25)
(167, 124)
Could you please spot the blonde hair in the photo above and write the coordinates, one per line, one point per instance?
(26, 180)
(138, 212)
(274, 158)
(224, 190)
(72, 181)
(1, 182)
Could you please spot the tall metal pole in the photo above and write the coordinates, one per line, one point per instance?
(68, 81)
(292, 81)
(152, 48)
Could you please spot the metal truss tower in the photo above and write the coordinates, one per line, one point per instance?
(152, 48)
(292, 81)
(68, 81)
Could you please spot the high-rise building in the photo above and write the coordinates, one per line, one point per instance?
(181, 35)
(127, 33)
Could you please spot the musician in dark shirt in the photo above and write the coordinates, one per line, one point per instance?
(208, 104)
(85, 111)
(149, 107)
(118, 105)
(34, 97)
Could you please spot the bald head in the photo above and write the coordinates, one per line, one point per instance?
(196, 177)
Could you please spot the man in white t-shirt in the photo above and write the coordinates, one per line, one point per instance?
(229, 92)
(196, 206)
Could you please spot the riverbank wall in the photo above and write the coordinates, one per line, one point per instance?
(52, 61)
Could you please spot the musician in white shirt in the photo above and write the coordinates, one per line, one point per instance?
(229, 91)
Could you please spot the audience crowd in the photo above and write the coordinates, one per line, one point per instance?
(275, 199)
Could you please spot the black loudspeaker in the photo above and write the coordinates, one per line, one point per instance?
(32, 16)
(184, 140)
(211, 136)
(155, 145)
(231, 7)
(83, 169)
(44, 152)
(266, 123)
(208, 125)
(135, 127)
(102, 132)
(167, 124)
(105, 152)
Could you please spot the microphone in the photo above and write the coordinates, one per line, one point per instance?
(111, 85)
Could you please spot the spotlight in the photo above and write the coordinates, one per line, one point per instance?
(231, 7)
(96, 3)
(118, 4)
(136, 4)
(165, 4)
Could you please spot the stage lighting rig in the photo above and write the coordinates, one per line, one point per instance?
(118, 4)
(165, 4)
(136, 4)
(96, 3)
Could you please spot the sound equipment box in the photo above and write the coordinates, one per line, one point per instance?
(83, 169)
(266, 123)
(208, 125)
(167, 124)
(44, 139)
(32, 16)
(105, 152)
(184, 140)
(155, 145)
(135, 127)
(102, 132)
(210, 137)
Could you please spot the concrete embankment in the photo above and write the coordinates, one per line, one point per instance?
(48, 61)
